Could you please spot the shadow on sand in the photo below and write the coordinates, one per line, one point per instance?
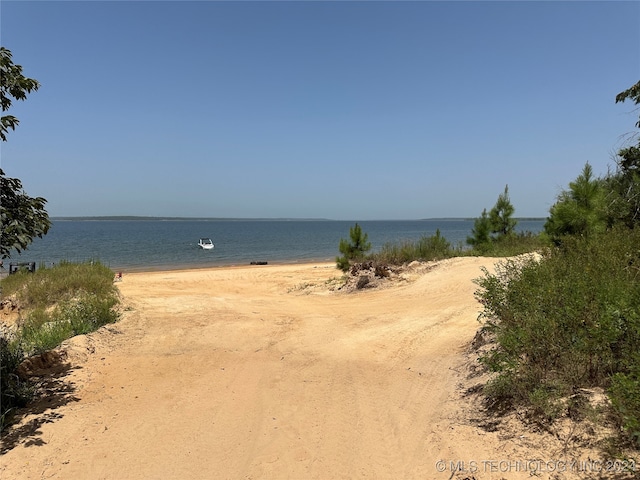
(53, 391)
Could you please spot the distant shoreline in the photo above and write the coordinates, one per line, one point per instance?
(241, 219)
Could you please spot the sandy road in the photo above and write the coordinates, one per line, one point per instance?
(264, 372)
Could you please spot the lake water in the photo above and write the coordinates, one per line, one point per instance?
(150, 244)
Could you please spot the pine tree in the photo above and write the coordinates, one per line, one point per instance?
(354, 250)
(579, 210)
(501, 214)
(480, 237)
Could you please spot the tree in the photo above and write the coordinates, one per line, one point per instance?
(579, 210)
(632, 93)
(494, 225)
(480, 237)
(624, 185)
(500, 215)
(22, 218)
(354, 250)
(14, 84)
(629, 158)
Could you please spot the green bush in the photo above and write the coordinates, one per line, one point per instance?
(625, 396)
(568, 320)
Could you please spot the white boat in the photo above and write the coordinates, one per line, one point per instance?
(205, 243)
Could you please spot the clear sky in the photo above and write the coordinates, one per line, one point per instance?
(342, 110)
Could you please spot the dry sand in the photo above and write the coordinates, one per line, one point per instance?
(268, 372)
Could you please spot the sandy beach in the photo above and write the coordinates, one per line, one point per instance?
(271, 372)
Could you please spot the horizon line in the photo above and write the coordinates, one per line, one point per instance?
(318, 219)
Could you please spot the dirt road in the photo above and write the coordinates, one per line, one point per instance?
(266, 372)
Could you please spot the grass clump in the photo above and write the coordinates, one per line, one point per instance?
(437, 247)
(44, 330)
(49, 286)
(434, 247)
(567, 321)
(57, 303)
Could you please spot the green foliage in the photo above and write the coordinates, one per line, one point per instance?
(579, 210)
(60, 302)
(624, 186)
(569, 320)
(353, 250)
(434, 247)
(14, 391)
(623, 190)
(22, 218)
(44, 330)
(480, 237)
(12, 84)
(633, 94)
(629, 159)
(63, 282)
(501, 215)
(625, 396)
(514, 244)
(495, 226)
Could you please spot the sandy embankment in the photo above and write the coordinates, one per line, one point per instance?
(264, 372)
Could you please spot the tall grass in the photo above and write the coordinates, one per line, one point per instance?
(435, 247)
(58, 303)
(49, 286)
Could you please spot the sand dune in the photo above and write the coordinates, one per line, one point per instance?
(269, 372)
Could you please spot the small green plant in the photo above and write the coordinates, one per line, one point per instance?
(353, 250)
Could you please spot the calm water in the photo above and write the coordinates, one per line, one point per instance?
(132, 245)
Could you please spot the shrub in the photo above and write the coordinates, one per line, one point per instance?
(569, 320)
(625, 396)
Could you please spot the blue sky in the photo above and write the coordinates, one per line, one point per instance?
(341, 110)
